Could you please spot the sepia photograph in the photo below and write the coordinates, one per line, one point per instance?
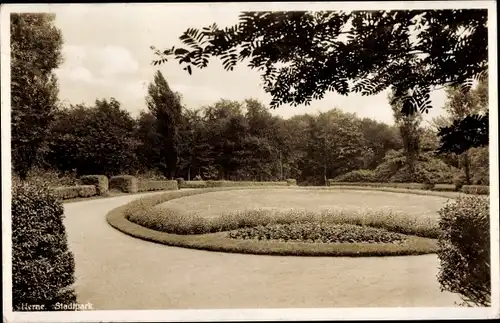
(249, 161)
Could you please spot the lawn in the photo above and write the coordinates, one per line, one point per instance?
(213, 204)
(307, 222)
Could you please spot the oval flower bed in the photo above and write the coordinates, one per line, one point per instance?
(319, 232)
(293, 232)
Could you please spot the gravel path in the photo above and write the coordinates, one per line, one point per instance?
(117, 272)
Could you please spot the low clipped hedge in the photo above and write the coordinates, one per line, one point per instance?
(464, 249)
(71, 192)
(146, 186)
(410, 186)
(124, 183)
(445, 187)
(101, 183)
(476, 189)
(193, 184)
(42, 265)
(243, 183)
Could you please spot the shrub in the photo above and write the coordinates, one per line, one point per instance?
(445, 187)
(476, 189)
(99, 181)
(361, 175)
(124, 183)
(50, 177)
(459, 179)
(180, 181)
(86, 190)
(66, 192)
(42, 265)
(464, 249)
(71, 192)
(145, 185)
(428, 169)
(291, 182)
(193, 184)
(479, 165)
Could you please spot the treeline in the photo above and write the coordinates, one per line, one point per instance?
(244, 141)
(226, 140)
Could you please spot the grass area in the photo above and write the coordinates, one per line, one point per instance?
(143, 220)
(222, 243)
(185, 223)
(214, 204)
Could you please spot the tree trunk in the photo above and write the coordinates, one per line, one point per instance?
(324, 175)
(189, 173)
(281, 168)
(466, 163)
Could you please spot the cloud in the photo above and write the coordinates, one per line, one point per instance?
(103, 65)
(114, 61)
(79, 73)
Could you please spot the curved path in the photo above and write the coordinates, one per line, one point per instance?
(117, 272)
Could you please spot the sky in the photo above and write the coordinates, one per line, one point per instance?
(107, 54)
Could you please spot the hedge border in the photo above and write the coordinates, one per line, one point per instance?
(78, 191)
(124, 183)
(156, 185)
(219, 242)
(466, 189)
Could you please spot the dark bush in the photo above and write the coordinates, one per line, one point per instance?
(180, 181)
(291, 182)
(99, 181)
(476, 189)
(42, 266)
(464, 249)
(124, 183)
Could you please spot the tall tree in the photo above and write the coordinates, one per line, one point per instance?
(226, 127)
(410, 131)
(98, 139)
(335, 145)
(303, 55)
(35, 53)
(465, 124)
(166, 107)
(379, 138)
(194, 148)
(148, 150)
